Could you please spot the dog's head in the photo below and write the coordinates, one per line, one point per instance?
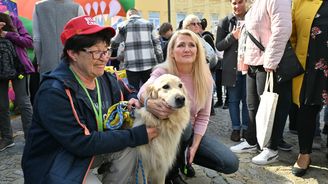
(170, 89)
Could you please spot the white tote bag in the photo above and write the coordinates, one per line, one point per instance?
(266, 111)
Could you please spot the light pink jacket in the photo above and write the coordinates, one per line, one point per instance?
(270, 22)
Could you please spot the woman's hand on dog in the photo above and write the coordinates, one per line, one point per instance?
(159, 108)
(152, 133)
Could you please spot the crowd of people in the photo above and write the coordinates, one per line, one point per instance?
(64, 132)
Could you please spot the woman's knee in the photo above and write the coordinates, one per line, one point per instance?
(231, 165)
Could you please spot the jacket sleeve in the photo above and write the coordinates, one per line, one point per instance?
(281, 27)
(58, 120)
(119, 37)
(157, 46)
(21, 38)
(224, 39)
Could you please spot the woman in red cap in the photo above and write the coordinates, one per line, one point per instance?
(66, 138)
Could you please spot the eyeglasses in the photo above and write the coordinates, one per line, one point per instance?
(97, 54)
(195, 23)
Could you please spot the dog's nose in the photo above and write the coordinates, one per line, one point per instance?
(179, 101)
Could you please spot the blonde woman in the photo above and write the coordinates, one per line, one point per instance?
(186, 59)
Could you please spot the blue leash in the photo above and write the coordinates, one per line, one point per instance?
(142, 172)
(121, 108)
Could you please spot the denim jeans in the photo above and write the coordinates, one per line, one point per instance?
(136, 79)
(210, 154)
(22, 99)
(237, 94)
(255, 86)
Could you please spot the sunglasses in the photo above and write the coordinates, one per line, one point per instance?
(195, 23)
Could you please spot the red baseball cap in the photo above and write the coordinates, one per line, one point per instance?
(82, 25)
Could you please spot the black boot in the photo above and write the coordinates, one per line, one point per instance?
(176, 180)
(188, 170)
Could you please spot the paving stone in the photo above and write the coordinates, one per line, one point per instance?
(219, 127)
(210, 173)
(219, 180)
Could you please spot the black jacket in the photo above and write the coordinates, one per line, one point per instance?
(226, 42)
(57, 151)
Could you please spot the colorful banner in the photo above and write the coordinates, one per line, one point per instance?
(110, 7)
(25, 8)
(8, 6)
(91, 7)
(105, 9)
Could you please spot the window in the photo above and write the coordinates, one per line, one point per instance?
(154, 18)
(199, 15)
(214, 22)
(180, 16)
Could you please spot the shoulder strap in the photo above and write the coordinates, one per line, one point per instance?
(254, 40)
(86, 130)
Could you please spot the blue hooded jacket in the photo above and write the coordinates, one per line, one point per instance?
(57, 150)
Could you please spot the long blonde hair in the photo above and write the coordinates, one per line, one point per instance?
(201, 75)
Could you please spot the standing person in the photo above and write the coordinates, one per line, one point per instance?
(206, 35)
(209, 38)
(309, 39)
(12, 28)
(186, 59)
(66, 138)
(269, 21)
(142, 49)
(49, 18)
(165, 31)
(227, 36)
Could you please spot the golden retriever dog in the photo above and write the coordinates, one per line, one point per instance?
(159, 155)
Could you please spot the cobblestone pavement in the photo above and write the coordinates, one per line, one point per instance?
(220, 127)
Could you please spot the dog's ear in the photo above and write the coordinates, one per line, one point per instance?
(151, 91)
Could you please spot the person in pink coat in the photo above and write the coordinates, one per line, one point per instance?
(270, 22)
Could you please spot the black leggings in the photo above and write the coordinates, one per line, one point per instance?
(306, 124)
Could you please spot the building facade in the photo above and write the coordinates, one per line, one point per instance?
(158, 11)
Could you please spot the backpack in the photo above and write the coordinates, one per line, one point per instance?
(10, 66)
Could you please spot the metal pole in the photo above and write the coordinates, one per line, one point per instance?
(169, 10)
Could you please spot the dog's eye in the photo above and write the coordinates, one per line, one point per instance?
(166, 86)
(180, 85)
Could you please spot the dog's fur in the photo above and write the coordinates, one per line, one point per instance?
(159, 155)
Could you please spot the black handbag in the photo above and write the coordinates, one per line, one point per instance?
(289, 65)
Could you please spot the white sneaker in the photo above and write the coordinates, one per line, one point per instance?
(243, 147)
(267, 156)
